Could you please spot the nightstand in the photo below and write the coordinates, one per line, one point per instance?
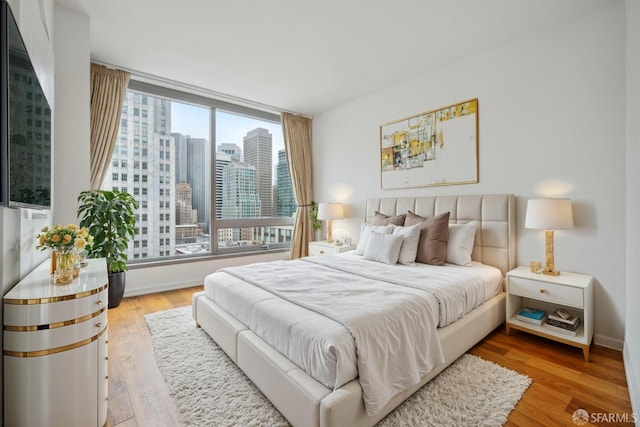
(322, 247)
(571, 291)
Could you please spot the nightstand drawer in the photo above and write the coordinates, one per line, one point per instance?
(322, 250)
(546, 291)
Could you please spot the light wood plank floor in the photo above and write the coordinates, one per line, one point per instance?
(562, 380)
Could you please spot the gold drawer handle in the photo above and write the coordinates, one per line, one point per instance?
(542, 291)
(99, 325)
(321, 252)
(99, 302)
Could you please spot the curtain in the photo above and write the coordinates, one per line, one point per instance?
(108, 89)
(297, 143)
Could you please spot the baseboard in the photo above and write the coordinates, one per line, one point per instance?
(157, 288)
(634, 387)
(605, 341)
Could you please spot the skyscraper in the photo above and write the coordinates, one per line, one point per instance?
(181, 157)
(222, 161)
(198, 177)
(258, 152)
(240, 196)
(286, 202)
(142, 166)
(231, 149)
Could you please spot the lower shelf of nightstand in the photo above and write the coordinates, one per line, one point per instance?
(575, 341)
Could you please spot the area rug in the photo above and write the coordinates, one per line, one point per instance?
(210, 390)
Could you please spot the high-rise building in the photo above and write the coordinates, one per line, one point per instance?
(240, 196)
(231, 149)
(185, 214)
(285, 200)
(222, 161)
(258, 152)
(181, 157)
(198, 177)
(142, 165)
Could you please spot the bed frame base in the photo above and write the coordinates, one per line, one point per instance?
(303, 400)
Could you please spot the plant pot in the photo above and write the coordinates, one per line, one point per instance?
(116, 288)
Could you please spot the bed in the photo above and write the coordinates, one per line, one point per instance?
(308, 394)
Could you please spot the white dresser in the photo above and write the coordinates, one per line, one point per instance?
(55, 350)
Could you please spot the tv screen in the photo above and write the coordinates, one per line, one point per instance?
(26, 125)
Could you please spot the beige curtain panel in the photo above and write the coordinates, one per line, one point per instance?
(108, 89)
(297, 143)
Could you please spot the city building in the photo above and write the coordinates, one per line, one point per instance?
(284, 199)
(240, 196)
(142, 166)
(258, 152)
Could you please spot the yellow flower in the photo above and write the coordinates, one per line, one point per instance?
(45, 229)
(80, 243)
(55, 238)
(42, 239)
(66, 239)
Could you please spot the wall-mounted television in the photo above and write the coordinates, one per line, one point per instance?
(25, 146)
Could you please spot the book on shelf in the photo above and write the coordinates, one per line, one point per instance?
(531, 319)
(562, 328)
(571, 320)
(532, 313)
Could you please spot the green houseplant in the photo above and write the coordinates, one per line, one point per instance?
(110, 218)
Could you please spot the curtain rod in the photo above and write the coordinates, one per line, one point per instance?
(197, 89)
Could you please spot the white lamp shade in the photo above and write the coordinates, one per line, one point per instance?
(330, 211)
(549, 214)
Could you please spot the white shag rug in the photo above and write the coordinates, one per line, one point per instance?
(211, 391)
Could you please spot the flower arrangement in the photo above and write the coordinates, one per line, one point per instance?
(64, 238)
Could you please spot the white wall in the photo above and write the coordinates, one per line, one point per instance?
(632, 334)
(72, 129)
(551, 122)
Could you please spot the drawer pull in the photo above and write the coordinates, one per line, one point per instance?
(99, 325)
(99, 302)
(542, 291)
(321, 252)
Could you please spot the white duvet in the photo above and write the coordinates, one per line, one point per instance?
(341, 317)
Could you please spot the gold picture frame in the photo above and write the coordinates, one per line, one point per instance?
(438, 147)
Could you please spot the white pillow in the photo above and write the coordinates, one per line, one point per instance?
(409, 249)
(383, 247)
(460, 244)
(364, 235)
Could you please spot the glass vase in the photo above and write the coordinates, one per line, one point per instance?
(64, 261)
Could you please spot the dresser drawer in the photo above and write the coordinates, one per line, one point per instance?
(546, 291)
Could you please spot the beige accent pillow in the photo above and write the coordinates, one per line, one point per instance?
(409, 249)
(383, 247)
(434, 234)
(460, 243)
(382, 219)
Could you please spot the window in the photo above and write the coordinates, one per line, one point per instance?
(249, 201)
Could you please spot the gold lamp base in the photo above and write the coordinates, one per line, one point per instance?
(329, 236)
(550, 268)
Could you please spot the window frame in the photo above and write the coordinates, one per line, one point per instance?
(150, 89)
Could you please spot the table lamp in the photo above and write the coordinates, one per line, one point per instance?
(549, 215)
(329, 212)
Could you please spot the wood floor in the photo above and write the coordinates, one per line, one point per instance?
(562, 381)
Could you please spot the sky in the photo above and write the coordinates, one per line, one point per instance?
(230, 128)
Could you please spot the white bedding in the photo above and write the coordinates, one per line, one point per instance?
(315, 332)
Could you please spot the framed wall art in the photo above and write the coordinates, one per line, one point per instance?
(439, 147)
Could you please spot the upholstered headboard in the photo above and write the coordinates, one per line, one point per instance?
(495, 242)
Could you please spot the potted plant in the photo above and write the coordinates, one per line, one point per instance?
(110, 218)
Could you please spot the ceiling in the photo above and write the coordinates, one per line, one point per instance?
(302, 56)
